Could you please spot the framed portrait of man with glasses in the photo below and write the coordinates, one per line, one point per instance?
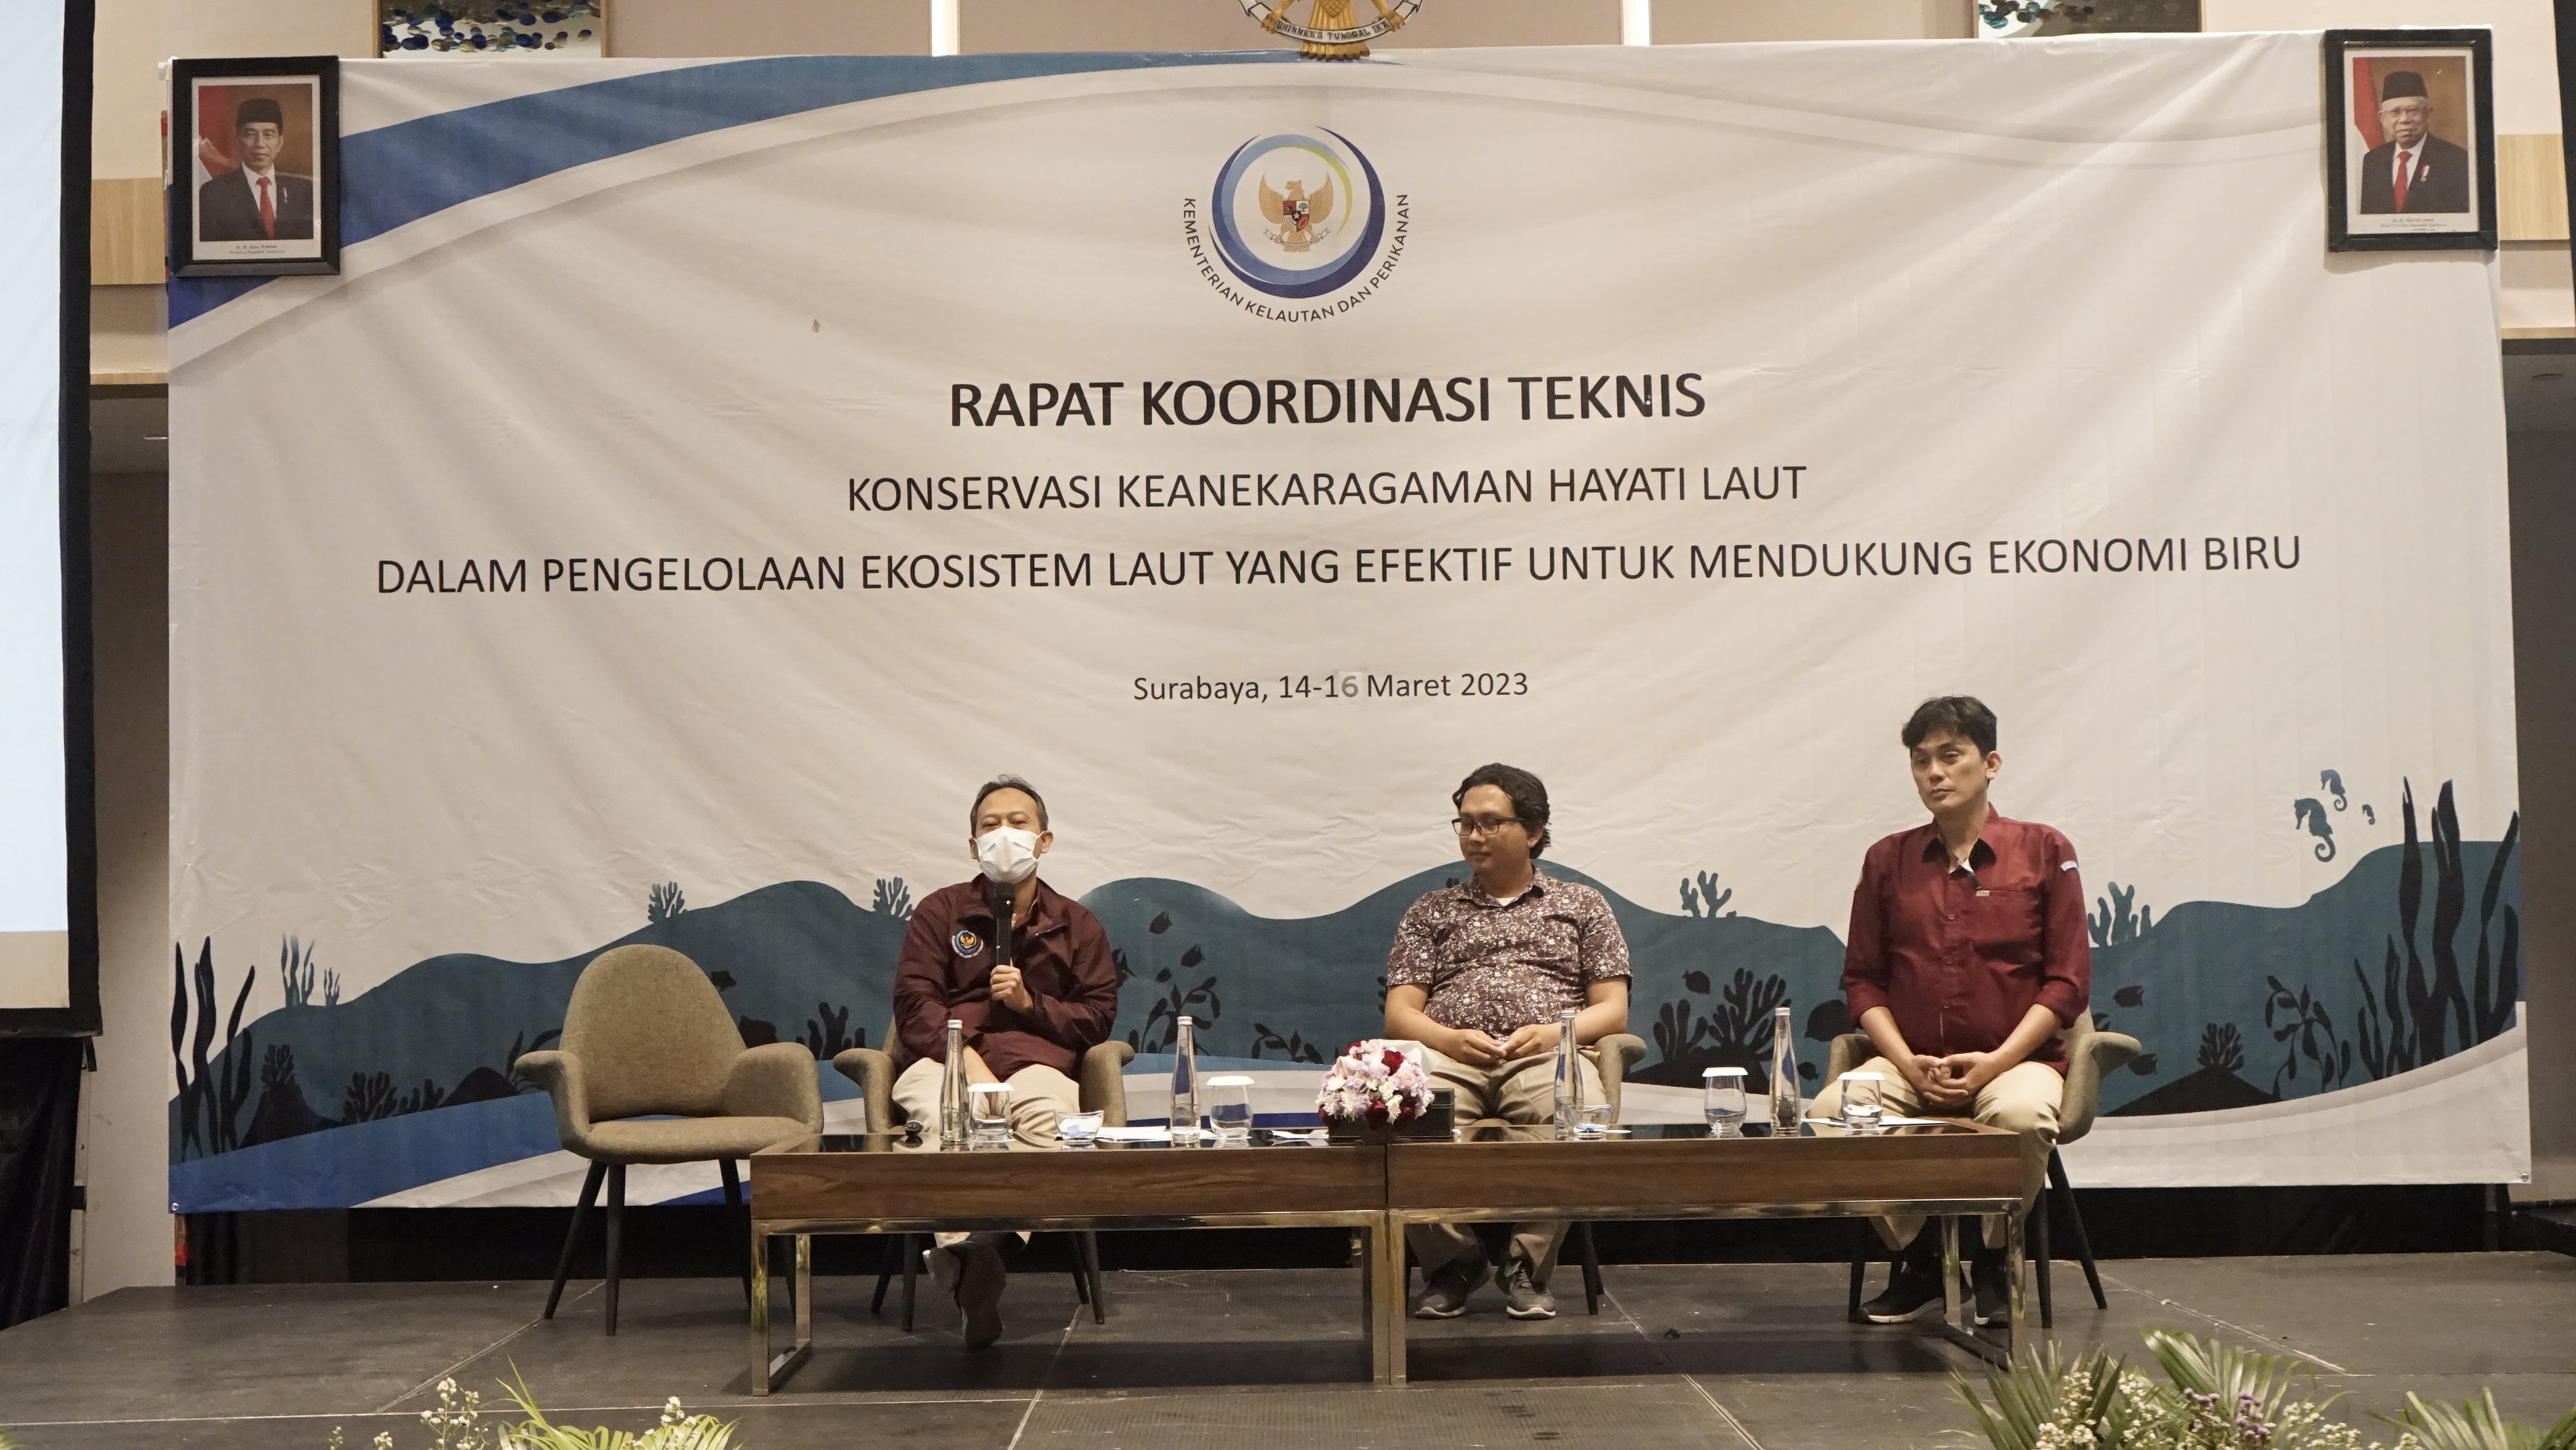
(2410, 140)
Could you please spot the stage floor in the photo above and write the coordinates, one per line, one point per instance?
(1717, 1356)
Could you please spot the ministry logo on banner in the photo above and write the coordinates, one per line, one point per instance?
(1300, 218)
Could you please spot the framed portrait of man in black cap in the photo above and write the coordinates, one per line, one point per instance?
(2410, 140)
(254, 166)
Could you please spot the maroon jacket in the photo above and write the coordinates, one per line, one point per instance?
(1960, 957)
(946, 971)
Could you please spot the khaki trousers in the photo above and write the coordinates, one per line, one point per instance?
(1039, 1096)
(2023, 1100)
(1521, 1092)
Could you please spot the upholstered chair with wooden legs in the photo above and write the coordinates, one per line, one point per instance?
(652, 1070)
(2091, 1054)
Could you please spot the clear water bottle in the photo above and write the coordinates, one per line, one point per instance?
(1185, 1082)
(1784, 1075)
(952, 1089)
(1569, 1076)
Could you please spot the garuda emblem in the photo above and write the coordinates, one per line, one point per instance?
(1299, 218)
(1332, 29)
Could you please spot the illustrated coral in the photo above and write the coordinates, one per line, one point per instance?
(2113, 923)
(1703, 898)
(663, 903)
(831, 1036)
(893, 898)
(2222, 1048)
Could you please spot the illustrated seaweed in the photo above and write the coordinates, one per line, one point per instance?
(422, 1098)
(1162, 1022)
(2112, 922)
(296, 971)
(2406, 1023)
(188, 1134)
(2222, 1048)
(664, 902)
(893, 898)
(831, 1037)
(2493, 998)
(1704, 894)
(2299, 1019)
(277, 1069)
(519, 1081)
(1293, 1047)
(209, 1111)
(330, 988)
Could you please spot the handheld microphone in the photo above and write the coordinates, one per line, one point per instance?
(1001, 893)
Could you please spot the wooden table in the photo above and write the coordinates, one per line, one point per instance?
(861, 1184)
(1678, 1171)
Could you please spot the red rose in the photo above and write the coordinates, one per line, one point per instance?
(1392, 1059)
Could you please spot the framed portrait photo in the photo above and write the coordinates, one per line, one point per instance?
(2410, 140)
(254, 166)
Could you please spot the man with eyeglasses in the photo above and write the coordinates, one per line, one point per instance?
(1478, 975)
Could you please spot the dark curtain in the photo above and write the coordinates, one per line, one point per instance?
(39, 1121)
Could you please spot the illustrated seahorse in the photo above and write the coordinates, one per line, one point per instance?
(2332, 780)
(2312, 814)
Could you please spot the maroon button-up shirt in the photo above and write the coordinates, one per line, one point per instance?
(946, 970)
(1960, 957)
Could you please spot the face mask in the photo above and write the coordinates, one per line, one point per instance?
(1009, 856)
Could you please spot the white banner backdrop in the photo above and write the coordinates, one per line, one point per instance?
(704, 475)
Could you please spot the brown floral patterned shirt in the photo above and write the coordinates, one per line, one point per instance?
(1495, 967)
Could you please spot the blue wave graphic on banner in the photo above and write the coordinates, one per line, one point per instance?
(395, 175)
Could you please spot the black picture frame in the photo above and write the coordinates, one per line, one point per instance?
(2348, 227)
(193, 255)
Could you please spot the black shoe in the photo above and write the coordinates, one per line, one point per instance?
(1993, 1286)
(1445, 1290)
(979, 1291)
(1913, 1285)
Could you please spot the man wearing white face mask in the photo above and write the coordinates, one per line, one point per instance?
(1027, 1022)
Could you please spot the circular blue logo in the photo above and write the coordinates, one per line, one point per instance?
(1297, 216)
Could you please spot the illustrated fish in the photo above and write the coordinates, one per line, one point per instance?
(2143, 1066)
(2130, 996)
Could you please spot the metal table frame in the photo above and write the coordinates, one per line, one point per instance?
(1381, 1288)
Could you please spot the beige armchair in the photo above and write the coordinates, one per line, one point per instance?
(2090, 1055)
(1101, 1075)
(645, 1037)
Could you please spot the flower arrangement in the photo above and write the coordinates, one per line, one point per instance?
(2216, 1397)
(1373, 1086)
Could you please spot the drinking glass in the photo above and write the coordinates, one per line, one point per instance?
(1078, 1130)
(1594, 1123)
(1862, 1108)
(1723, 1089)
(1230, 1110)
(988, 1109)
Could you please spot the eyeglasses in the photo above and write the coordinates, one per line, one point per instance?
(1481, 825)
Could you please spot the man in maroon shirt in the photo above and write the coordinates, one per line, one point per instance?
(1027, 1023)
(1967, 956)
